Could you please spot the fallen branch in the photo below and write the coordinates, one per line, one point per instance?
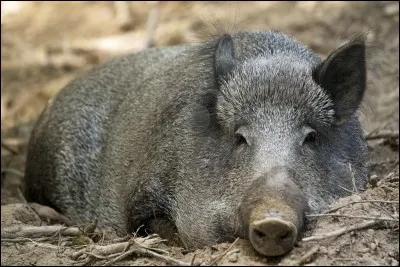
(102, 251)
(110, 249)
(303, 259)
(224, 253)
(115, 252)
(342, 231)
(147, 252)
(38, 231)
(356, 217)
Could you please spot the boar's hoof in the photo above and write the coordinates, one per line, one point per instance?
(272, 236)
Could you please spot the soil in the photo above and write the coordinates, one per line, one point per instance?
(36, 62)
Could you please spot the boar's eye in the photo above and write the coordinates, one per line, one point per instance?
(240, 139)
(311, 138)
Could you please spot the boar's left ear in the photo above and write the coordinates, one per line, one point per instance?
(343, 76)
(224, 58)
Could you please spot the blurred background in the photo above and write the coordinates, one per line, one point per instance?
(46, 44)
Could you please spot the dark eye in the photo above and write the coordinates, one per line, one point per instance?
(239, 139)
(311, 138)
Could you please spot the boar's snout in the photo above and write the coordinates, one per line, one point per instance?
(272, 236)
(273, 212)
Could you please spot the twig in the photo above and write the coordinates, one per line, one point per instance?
(341, 231)
(149, 241)
(77, 254)
(59, 242)
(380, 182)
(119, 250)
(382, 135)
(13, 171)
(350, 216)
(224, 253)
(192, 261)
(152, 22)
(111, 256)
(361, 201)
(6, 147)
(110, 249)
(86, 261)
(183, 241)
(115, 252)
(101, 252)
(162, 257)
(35, 231)
(353, 179)
(344, 188)
(122, 239)
(384, 210)
(139, 249)
(236, 250)
(120, 257)
(303, 259)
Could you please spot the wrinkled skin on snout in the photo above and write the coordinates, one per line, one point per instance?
(272, 211)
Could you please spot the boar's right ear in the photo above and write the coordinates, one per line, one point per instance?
(343, 75)
(224, 58)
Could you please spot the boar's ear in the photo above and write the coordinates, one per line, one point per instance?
(224, 58)
(343, 75)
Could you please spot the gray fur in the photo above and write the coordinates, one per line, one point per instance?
(150, 136)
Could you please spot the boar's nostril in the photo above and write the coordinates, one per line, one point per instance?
(272, 236)
(259, 233)
(284, 236)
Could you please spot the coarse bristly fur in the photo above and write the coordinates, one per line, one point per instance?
(198, 136)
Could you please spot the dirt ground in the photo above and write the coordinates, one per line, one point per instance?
(46, 44)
